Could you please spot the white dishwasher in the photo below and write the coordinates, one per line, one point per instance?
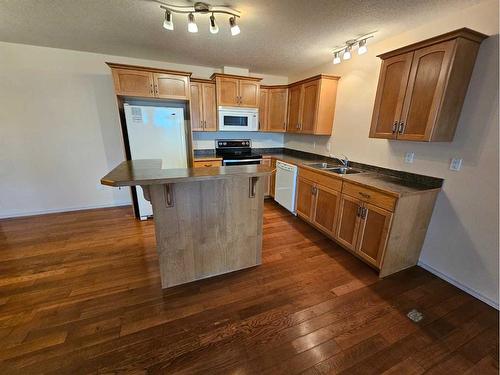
(286, 184)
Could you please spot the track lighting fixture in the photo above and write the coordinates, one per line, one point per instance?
(200, 8)
(235, 29)
(347, 53)
(192, 26)
(214, 28)
(362, 47)
(336, 58)
(168, 23)
(346, 49)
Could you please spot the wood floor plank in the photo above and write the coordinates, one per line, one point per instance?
(80, 293)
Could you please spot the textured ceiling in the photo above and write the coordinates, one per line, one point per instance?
(277, 36)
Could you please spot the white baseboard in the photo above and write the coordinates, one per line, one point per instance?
(459, 285)
(65, 209)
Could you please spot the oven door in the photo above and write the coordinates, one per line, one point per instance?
(236, 119)
(241, 162)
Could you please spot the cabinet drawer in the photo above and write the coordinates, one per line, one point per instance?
(207, 163)
(327, 181)
(376, 198)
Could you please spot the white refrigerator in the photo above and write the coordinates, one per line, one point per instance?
(155, 133)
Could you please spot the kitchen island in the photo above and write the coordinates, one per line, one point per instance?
(208, 221)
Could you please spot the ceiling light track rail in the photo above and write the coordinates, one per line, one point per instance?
(200, 8)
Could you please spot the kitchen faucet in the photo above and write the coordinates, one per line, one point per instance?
(343, 160)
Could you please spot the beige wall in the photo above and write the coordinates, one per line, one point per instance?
(462, 242)
(59, 128)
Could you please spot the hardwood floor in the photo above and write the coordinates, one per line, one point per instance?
(80, 293)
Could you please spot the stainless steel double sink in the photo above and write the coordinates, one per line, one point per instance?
(334, 168)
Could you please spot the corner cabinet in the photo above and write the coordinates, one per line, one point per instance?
(203, 105)
(143, 82)
(273, 108)
(237, 91)
(422, 87)
(311, 105)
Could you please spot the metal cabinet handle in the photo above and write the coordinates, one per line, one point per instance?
(401, 127)
(364, 195)
(363, 213)
(156, 89)
(169, 195)
(252, 183)
(151, 88)
(394, 127)
(358, 212)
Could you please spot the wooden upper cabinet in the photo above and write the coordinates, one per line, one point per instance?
(171, 86)
(263, 109)
(422, 87)
(390, 96)
(196, 106)
(133, 82)
(294, 108)
(249, 93)
(310, 92)
(425, 91)
(305, 190)
(373, 233)
(237, 91)
(209, 106)
(203, 106)
(144, 82)
(227, 91)
(278, 98)
(311, 105)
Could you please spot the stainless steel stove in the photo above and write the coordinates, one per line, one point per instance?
(236, 152)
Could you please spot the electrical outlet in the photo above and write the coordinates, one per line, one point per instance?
(409, 157)
(455, 164)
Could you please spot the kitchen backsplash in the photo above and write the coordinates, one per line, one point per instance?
(203, 141)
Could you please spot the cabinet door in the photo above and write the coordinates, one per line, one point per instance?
(209, 107)
(348, 222)
(263, 109)
(171, 86)
(309, 107)
(391, 91)
(227, 91)
(278, 99)
(249, 93)
(373, 233)
(425, 91)
(196, 106)
(267, 179)
(133, 82)
(294, 107)
(305, 197)
(326, 209)
(273, 178)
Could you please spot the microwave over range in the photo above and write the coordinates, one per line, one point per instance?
(238, 119)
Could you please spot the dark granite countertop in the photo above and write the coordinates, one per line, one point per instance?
(390, 181)
(150, 172)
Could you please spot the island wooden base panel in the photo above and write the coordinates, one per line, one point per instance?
(80, 293)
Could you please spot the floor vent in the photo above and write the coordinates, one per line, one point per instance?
(415, 315)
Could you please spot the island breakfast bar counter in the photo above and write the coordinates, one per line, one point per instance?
(208, 221)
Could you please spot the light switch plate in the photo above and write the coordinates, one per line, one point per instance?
(409, 157)
(455, 164)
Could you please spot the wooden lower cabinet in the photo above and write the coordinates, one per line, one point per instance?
(305, 191)
(326, 205)
(363, 228)
(347, 228)
(207, 163)
(385, 230)
(373, 233)
(273, 177)
(267, 180)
